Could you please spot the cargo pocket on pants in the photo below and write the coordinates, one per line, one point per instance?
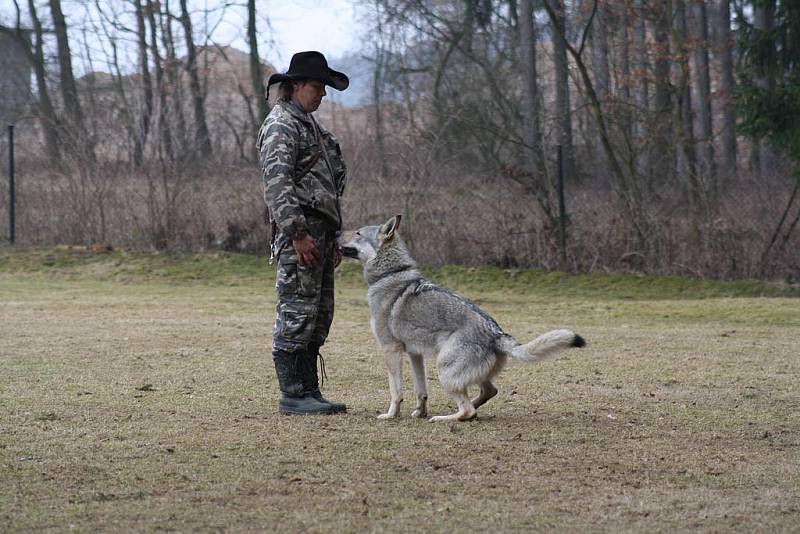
(296, 323)
(307, 280)
(286, 279)
(294, 279)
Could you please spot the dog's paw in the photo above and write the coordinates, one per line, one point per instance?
(419, 414)
(437, 418)
(384, 416)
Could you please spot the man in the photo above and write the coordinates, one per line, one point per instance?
(304, 177)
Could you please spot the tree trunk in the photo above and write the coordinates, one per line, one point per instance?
(640, 82)
(663, 150)
(530, 99)
(562, 100)
(377, 82)
(164, 134)
(602, 77)
(202, 139)
(687, 159)
(724, 46)
(140, 136)
(763, 21)
(380, 145)
(629, 192)
(624, 90)
(533, 151)
(256, 71)
(126, 110)
(702, 82)
(173, 78)
(69, 90)
(46, 110)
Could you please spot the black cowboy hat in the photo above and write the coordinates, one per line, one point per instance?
(312, 65)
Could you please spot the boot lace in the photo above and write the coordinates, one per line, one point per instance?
(323, 374)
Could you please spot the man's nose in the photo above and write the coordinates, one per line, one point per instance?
(324, 93)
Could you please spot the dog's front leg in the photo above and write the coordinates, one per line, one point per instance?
(394, 364)
(420, 385)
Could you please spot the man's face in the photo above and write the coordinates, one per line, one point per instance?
(309, 94)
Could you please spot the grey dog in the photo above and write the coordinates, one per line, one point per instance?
(410, 314)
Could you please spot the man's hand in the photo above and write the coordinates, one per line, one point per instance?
(306, 250)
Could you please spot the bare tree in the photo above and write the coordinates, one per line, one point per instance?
(140, 136)
(642, 83)
(600, 70)
(35, 56)
(628, 190)
(687, 157)
(202, 138)
(164, 131)
(256, 71)
(702, 83)
(69, 90)
(173, 79)
(562, 85)
(663, 149)
(128, 112)
(724, 47)
(532, 129)
(624, 85)
(763, 21)
(378, 69)
(599, 41)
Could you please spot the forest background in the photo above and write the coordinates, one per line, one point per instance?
(676, 122)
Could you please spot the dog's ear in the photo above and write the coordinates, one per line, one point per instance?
(388, 228)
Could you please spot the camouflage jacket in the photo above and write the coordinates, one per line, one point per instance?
(288, 146)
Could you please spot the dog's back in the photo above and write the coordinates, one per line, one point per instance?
(426, 310)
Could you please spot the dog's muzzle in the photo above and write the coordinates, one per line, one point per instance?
(350, 252)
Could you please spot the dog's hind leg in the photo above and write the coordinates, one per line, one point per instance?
(466, 410)
(394, 364)
(420, 385)
(487, 388)
(487, 392)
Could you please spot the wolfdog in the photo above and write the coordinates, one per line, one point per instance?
(410, 314)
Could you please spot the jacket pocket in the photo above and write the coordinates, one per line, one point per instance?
(309, 157)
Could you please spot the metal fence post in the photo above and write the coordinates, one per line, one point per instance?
(11, 196)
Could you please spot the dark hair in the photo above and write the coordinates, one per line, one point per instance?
(286, 88)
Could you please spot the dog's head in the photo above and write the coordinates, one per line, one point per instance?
(363, 244)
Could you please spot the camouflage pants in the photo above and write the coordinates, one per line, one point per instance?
(305, 294)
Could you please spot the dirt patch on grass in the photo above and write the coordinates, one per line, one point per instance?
(151, 406)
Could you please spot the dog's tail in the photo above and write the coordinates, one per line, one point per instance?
(543, 346)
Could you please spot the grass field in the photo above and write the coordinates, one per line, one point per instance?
(138, 394)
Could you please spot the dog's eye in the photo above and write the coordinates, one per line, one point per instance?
(358, 234)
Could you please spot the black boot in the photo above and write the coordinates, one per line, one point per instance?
(312, 379)
(291, 369)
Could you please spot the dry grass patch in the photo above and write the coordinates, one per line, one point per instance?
(151, 405)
